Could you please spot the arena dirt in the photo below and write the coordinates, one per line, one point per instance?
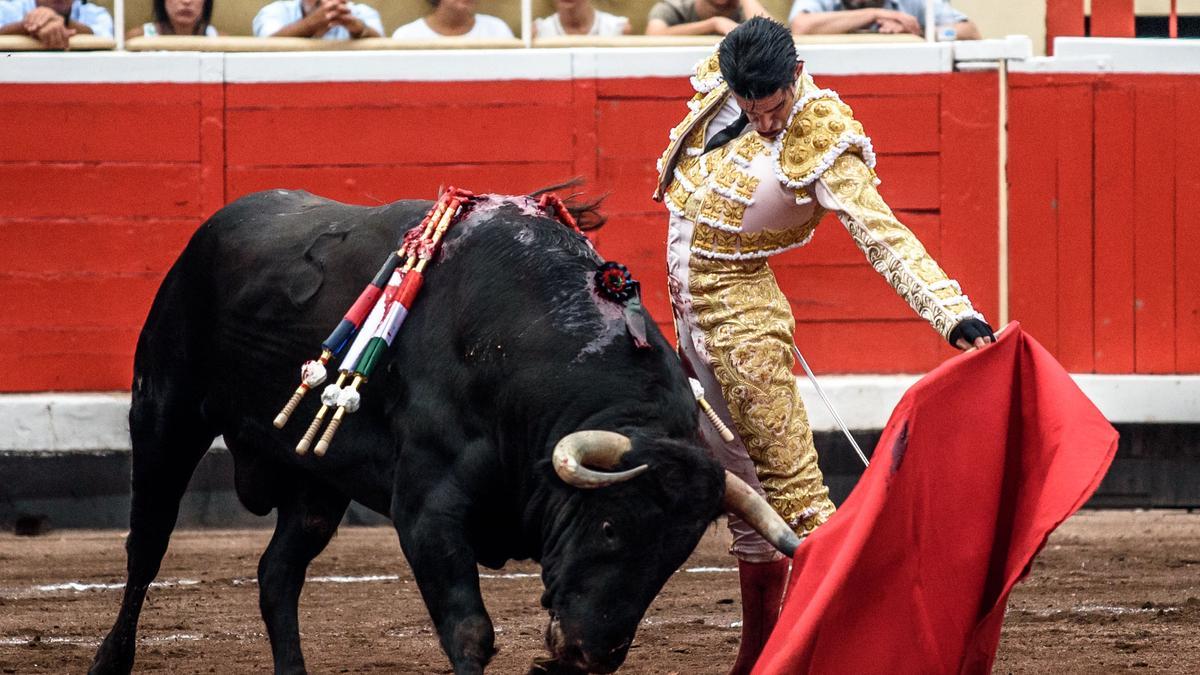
(1114, 591)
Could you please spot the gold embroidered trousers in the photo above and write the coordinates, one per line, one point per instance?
(746, 326)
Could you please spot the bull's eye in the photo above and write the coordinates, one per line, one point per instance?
(608, 529)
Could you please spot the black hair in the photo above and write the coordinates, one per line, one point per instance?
(164, 20)
(758, 58)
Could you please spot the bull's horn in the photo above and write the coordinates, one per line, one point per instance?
(602, 449)
(742, 501)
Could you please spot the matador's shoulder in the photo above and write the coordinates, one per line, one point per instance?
(706, 76)
(821, 129)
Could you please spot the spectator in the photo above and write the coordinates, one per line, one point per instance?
(53, 22)
(454, 18)
(178, 17)
(878, 16)
(578, 17)
(326, 19)
(700, 17)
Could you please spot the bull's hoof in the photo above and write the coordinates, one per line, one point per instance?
(111, 660)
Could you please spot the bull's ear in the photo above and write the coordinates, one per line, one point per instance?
(604, 449)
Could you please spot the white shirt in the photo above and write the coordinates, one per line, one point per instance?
(272, 18)
(150, 29)
(486, 27)
(93, 16)
(604, 24)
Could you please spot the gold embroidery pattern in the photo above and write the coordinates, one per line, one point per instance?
(719, 207)
(747, 327)
(747, 147)
(710, 242)
(688, 135)
(677, 197)
(720, 212)
(892, 249)
(733, 182)
(822, 126)
(707, 75)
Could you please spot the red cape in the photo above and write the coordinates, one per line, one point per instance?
(979, 462)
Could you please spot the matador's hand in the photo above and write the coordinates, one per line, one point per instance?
(972, 334)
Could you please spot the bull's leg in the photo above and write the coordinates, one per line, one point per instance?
(431, 530)
(306, 523)
(168, 442)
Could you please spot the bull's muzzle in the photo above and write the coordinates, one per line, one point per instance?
(569, 656)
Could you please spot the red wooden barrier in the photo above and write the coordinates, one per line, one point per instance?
(1103, 170)
(1112, 18)
(1063, 18)
(100, 187)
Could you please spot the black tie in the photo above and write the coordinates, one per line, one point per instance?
(728, 133)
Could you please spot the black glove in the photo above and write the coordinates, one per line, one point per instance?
(969, 329)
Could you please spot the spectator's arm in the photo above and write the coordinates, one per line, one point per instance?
(846, 21)
(716, 25)
(14, 28)
(138, 31)
(269, 23)
(967, 30)
(753, 8)
(359, 28)
(81, 28)
(363, 22)
(666, 20)
(302, 28)
(47, 27)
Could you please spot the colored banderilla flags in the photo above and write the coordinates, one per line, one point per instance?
(389, 306)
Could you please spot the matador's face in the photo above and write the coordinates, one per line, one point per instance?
(769, 114)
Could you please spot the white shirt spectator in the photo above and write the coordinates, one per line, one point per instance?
(150, 29)
(943, 13)
(604, 24)
(93, 16)
(273, 17)
(486, 27)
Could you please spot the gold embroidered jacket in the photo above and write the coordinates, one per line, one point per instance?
(822, 161)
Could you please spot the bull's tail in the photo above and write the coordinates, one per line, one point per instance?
(169, 436)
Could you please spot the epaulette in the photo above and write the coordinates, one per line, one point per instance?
(820, 129)
(706, 75)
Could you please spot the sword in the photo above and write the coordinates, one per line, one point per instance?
(821, 392)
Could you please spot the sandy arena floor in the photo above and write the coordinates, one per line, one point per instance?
(1113, 591)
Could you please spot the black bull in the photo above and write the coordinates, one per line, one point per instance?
(507, 353)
